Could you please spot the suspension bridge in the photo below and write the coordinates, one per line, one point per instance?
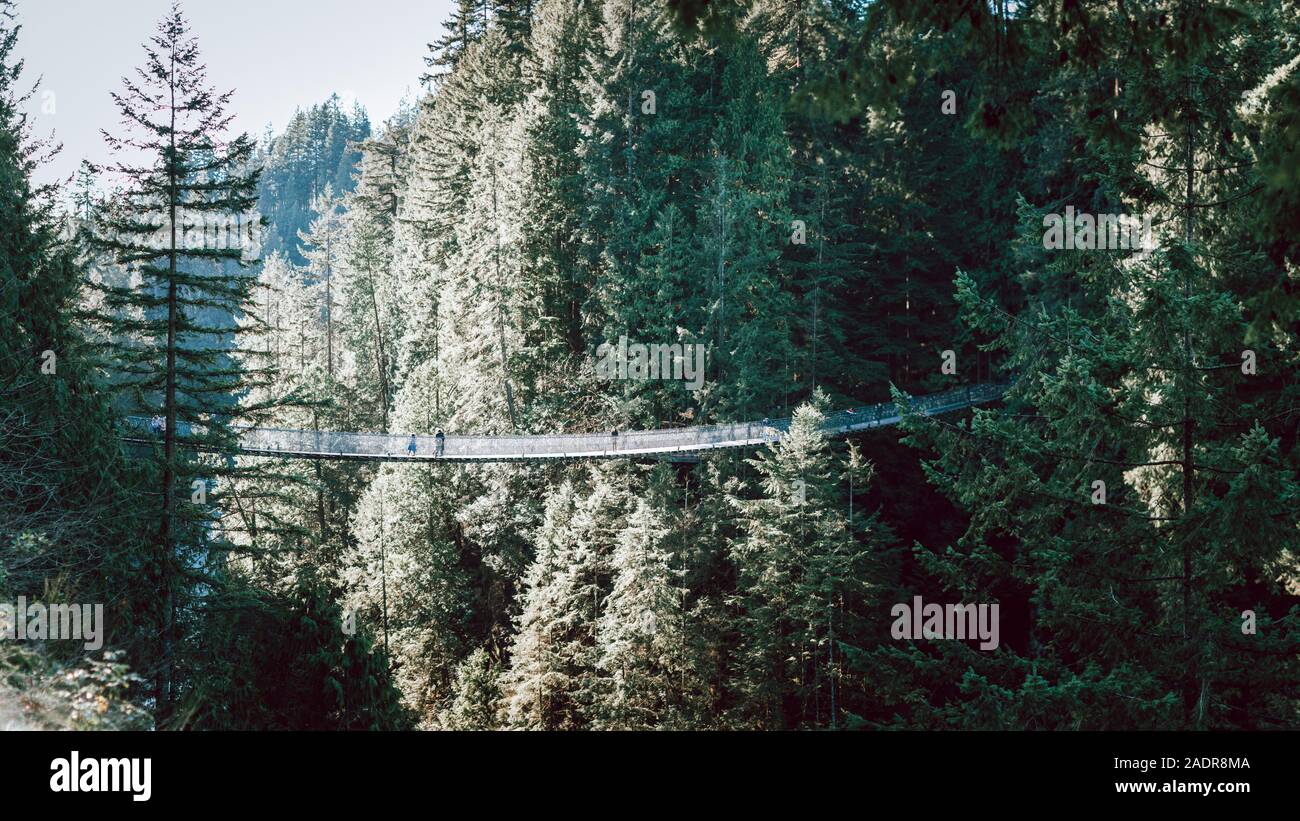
(670, 444)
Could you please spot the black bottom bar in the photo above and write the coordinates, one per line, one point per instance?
(555, 772)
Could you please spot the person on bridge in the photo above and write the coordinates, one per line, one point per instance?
(439, 440)
(410, 446)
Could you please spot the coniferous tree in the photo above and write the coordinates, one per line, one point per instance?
(477, 694)
(70, 503)
(1103, 498)
(553, 211)
(464, 27)
(317, 148)
(743, 222)
(296, 662)
(322, 247)
(644, 142)
(545, 658)
(515, 18)
(801, 581)
(191, 187)
(405, 581)
(649, 679)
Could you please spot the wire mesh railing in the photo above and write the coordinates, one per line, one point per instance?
(667, 442)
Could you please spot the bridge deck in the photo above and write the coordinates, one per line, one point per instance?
(673, 444)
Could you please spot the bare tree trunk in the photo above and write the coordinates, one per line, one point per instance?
(329, 306)
(1191, 688)
(501, 313)
(166, 535)
(320, 487)
(379, 354)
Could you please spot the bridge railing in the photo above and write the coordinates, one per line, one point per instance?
(887, 413)
(579, 445)
(310, 442)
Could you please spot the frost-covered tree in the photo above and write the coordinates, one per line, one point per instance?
(323, 248)
(648, 678)
(802, 585)
(477, 694)
(546, 661)
(404, 580)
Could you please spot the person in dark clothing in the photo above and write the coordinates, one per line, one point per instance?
(438, 439)
(410, 446)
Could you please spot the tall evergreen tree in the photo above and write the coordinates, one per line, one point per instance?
(323, 248)
(649, 678)
(70, 503)
(464, 27)
(1106, 499)
(187, 187)
(475, 704)
(406, 582)
(801, 569)
(318, 147)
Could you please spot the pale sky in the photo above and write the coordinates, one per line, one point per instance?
(277, 54)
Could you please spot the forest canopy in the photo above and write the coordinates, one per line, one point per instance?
(792, 209)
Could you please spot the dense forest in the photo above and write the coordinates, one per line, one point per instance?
(840, 203)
